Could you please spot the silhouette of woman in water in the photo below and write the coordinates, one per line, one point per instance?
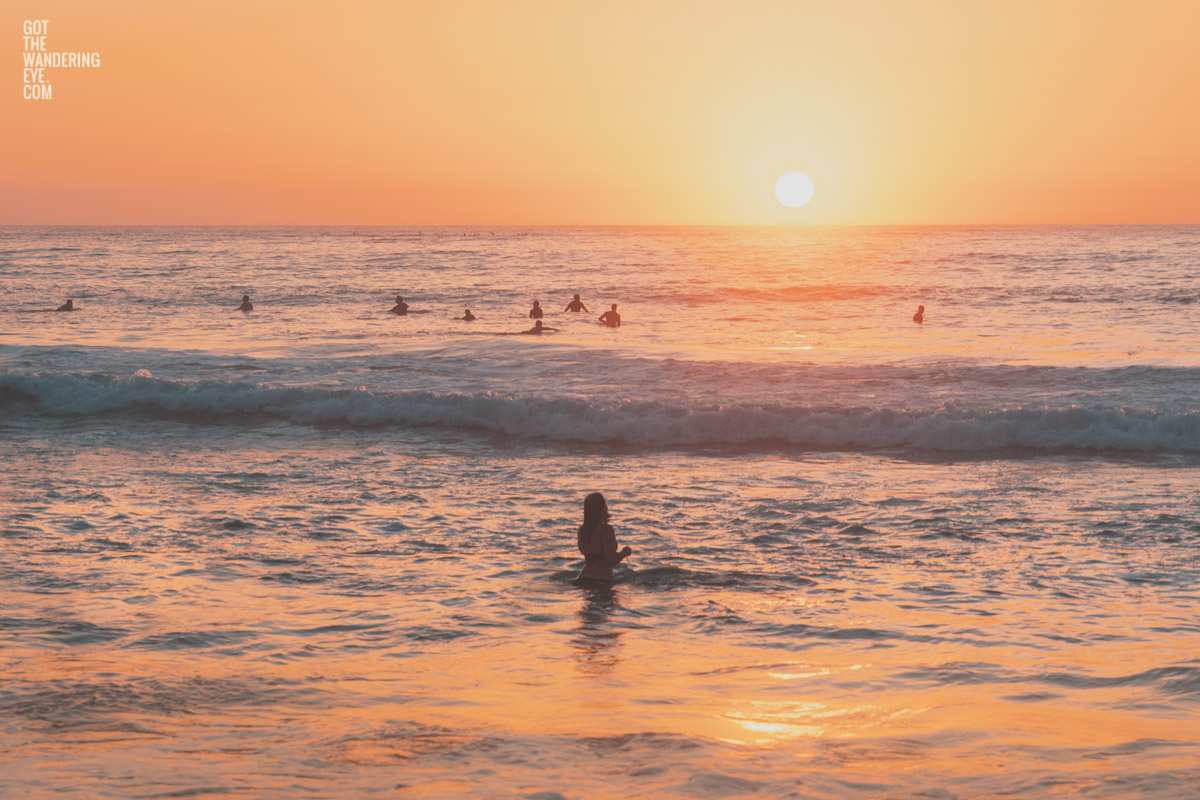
(598, 543)
(919, 317)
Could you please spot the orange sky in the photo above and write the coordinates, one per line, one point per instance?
(563, 112)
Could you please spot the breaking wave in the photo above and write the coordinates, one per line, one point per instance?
(641, 425)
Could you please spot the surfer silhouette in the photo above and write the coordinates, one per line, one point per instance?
(539, 329)
(246, 304)
(401, 307)
(576, 305)
(611, 318)
(67, 306)
(919, 317)
(468, 317)
(536, 311)
(597, 542)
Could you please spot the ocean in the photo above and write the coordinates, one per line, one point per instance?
(320, 550)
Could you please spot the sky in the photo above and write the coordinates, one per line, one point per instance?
(383, 112)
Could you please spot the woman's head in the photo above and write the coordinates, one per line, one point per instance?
(595, 509)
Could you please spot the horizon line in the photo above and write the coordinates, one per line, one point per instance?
(601, 225)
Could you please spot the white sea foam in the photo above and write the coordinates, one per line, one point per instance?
(643, 425)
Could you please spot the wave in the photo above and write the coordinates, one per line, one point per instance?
(639, 425)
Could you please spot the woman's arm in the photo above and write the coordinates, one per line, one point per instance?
(608, 540)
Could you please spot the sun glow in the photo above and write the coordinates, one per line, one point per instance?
(794, 189)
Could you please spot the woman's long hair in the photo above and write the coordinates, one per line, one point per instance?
(595, 512)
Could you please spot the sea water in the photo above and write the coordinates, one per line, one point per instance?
(319, 550)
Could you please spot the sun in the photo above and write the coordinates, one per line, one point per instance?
(794, 189)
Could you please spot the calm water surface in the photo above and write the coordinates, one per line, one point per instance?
(321, 551)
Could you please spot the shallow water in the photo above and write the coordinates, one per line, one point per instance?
(904, 563)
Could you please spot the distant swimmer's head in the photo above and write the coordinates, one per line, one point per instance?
(576, 297)
(399, 299)
(920, 309)
(595, 509)
(67, 306)
(245, 297)
(537, 326)
(536, 303)
(614, 306)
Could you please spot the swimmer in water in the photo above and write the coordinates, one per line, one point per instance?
(468, 317)
(246, 304)
(919, 317)
(597, 542)
(576, 305)
(67, 306)
(536, 311)
(611, 318)
(538, 329)
(401, 307)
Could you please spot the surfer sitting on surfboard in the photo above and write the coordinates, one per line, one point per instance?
(611, 318)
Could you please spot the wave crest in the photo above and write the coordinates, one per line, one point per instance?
(640, 425)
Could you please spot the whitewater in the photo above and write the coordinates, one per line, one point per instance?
(318, 549)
